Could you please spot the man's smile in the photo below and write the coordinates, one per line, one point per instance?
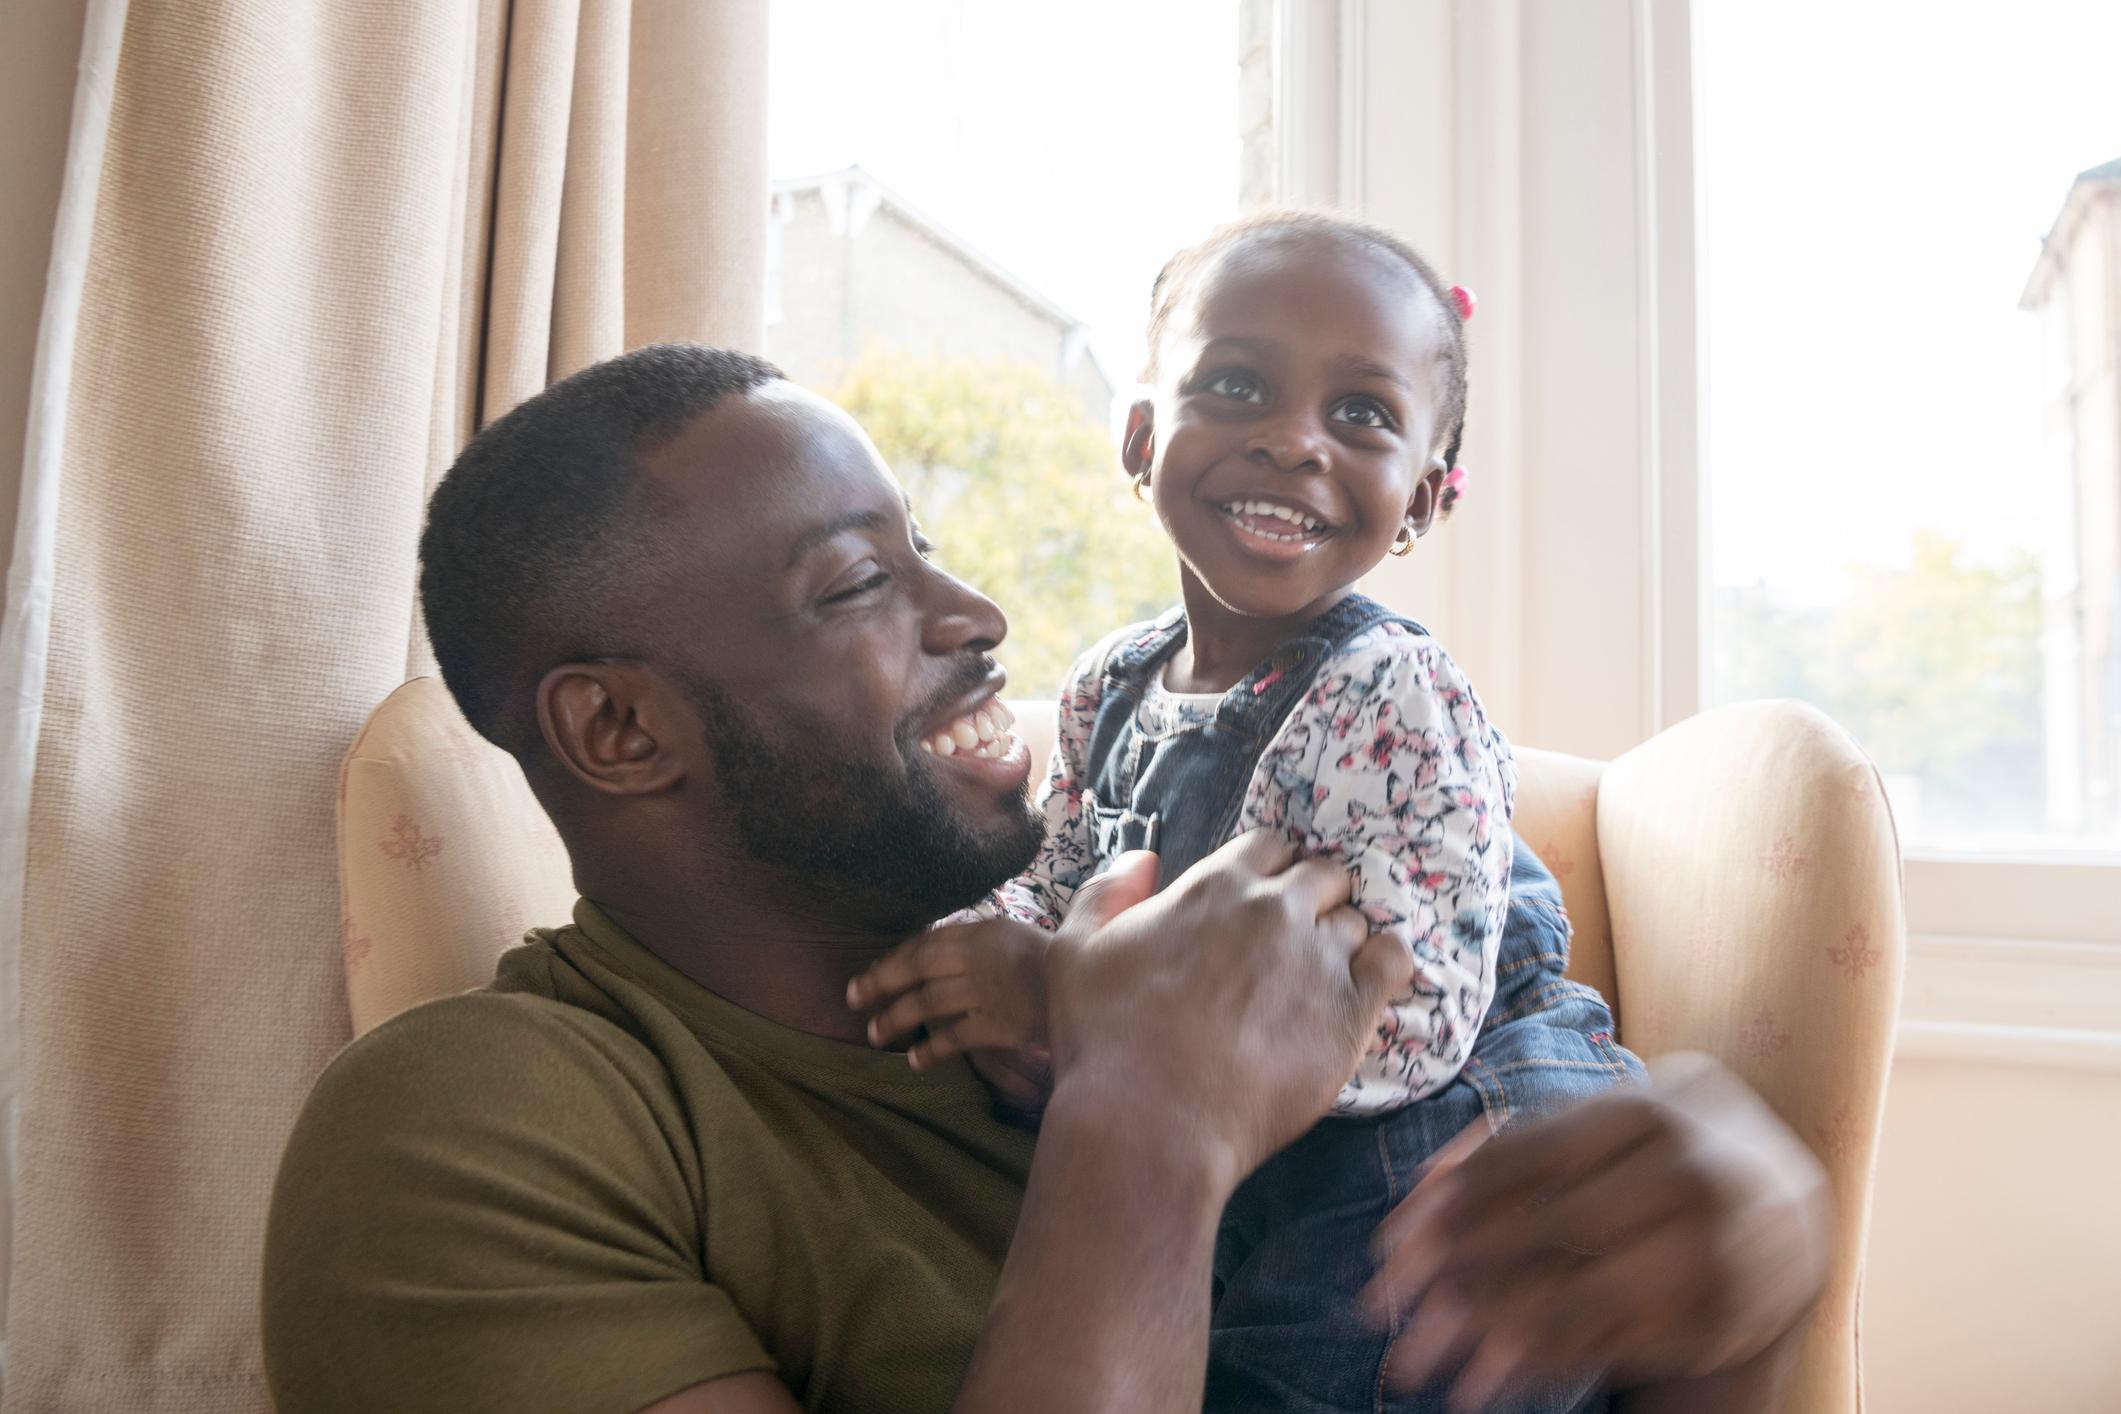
(980, 743)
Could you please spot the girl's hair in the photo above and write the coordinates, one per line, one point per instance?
(1180, 270)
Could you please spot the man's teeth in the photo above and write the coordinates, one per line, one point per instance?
(1306, 526)
(982, 732)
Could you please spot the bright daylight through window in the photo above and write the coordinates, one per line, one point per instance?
(1912, 295)
(969, 203)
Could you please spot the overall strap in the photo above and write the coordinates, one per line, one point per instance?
(1137, 660)
(1258, 705)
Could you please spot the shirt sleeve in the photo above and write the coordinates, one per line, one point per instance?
(1042, 893)
(1390, 765)
(479, 1209)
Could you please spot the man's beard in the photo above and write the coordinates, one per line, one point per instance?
(854, 827)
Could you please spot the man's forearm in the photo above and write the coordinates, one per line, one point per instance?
(1103, 1302)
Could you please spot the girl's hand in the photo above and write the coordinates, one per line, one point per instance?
(977, 988)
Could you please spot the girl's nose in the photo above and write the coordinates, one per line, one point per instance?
(1295, 443)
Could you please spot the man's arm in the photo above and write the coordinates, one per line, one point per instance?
(1673, 1234)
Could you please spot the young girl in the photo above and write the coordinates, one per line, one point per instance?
(1308, 379)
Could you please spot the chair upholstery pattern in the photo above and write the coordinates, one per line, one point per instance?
(445, 857)
(1733, 884)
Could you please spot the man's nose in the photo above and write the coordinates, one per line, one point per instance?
(959, 619)
(1295, 441)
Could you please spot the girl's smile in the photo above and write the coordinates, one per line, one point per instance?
(1275, 527)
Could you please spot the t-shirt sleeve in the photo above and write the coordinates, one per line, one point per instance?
(1042, 893)
(1390, 764)
(482, 1207)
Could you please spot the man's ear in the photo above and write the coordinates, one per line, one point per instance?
(615, 727)
(1137, 448)
(1422, 505)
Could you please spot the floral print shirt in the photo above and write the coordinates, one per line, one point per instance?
(1389, 764)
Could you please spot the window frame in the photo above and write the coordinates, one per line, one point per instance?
(1489, 134)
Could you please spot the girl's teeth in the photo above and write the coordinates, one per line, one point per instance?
(1278, 512)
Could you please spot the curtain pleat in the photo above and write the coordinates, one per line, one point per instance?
(328, 241)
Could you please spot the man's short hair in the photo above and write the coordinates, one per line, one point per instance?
(535, 538)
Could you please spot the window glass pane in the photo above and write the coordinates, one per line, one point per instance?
(1911, 232)
(970, 201)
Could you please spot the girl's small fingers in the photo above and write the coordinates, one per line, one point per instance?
(925, 1005)
(931, 1051)
(887, 977)
(974, 1031)
(907, 966)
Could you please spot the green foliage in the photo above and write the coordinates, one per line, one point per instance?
(1934, 666)
(1021, 491)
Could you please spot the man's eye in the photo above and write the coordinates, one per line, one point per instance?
(1242, 386)
(868, 584)
(924, 547)
(1363, 412)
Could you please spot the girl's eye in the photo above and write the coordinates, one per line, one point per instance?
(1233, 384)
(1363, 412)
(869, 578)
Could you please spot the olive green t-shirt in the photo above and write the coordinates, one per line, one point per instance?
(595, 1183)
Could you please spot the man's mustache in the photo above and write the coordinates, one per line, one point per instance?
(971, 672)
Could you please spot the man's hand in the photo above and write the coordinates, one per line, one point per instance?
(1226, 1011)
(1664, 1233)
(977, 988)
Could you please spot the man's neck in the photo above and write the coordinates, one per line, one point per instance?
(784, 953)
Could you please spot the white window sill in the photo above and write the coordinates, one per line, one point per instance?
(2011, 1002)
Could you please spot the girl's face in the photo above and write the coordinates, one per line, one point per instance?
(1294, 426)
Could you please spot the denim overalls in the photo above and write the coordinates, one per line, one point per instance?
(1293, 1249)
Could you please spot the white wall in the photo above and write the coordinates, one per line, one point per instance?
(1993, 1282)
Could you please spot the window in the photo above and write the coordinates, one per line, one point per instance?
(969, 203)
(1912, 406)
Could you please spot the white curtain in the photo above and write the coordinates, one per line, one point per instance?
(304, 249)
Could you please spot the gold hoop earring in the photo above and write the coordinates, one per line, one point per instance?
(1403, 543)
(1141, 487)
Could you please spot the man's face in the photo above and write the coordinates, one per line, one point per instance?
(828, 658)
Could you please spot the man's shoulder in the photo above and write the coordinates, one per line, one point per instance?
(488, 1053)
(464, 1192)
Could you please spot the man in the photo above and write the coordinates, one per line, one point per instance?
(653, 1167)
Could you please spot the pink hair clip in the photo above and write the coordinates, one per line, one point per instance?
(1454, 490)
(1464, 299)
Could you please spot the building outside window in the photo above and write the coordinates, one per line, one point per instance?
(969, 204)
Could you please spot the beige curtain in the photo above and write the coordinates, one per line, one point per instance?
(324, 242)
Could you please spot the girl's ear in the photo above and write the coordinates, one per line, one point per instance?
(1137, 447)
(1427, 498)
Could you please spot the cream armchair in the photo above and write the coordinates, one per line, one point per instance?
(1734, 885)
